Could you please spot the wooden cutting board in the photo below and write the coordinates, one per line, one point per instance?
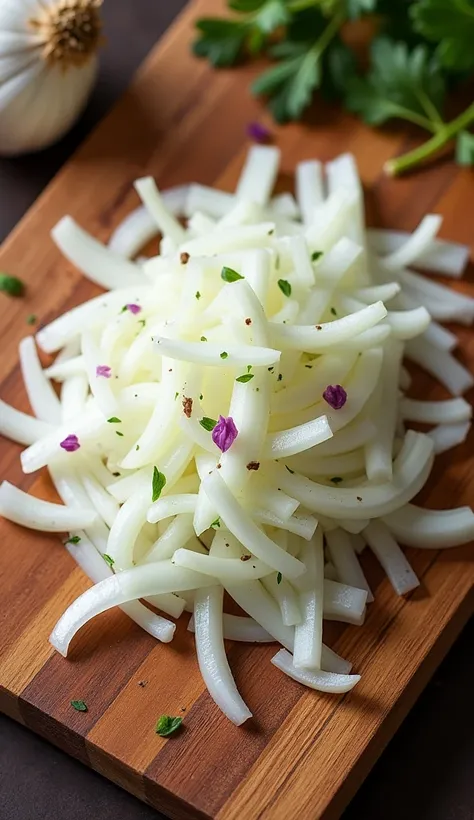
(305, 754)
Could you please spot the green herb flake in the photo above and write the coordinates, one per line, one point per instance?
(334, 311)
(167, 725)
(224, 355)
(279, 578)
(216, 524)
(198, 295)
(176, 395)
(285, 287)
(79, 705)
(74, 539)
(114, 420)
(158, 483)
(203, 339)
(108, 560)
(316, 255)
(142, 322)
(118, 433)
(336, 479)
(249, 367)
(230, 275)
(208, 423)
(245, 378)
(201, 397)
(31, 319)
(11, 285)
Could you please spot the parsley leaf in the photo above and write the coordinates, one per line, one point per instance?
(221, 41)
(285, 287)
(114, 420)
(279, 578)
(158, 483)
(79, 705)
(402, 84)
(74, 539)
(11, 285)
(108, 560)
(245, 378)
(208, 423)
(450, 25)
(465, 148)
(230, 275)
(167, 725)
(216, 524)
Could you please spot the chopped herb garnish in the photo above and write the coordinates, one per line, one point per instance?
(216, 524)
(289, 469)
(203, 339)
(11, 285)
(358, 498)
(208, 423)
(279, 577)
(198, 295)
(158, 482)
(118, 433)
(270, 369)
(334, 311)
(245, 378)
(335, 395)
(230, 275)
(316, 255)
(336, 479)
(280, 377)
(31, 319)
(79, 705)
(114, 420)
(137, 447)
(309, 366)
(285, 287)
(224, 433)
(249, 367)
(167, 725)
(176, 395)
(108, 560)
(201, 397)
(224, 355)
(142, 322)
(73, 540)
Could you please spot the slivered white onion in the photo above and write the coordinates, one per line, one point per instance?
(35, 514)
(246, 315)
(100, 264)
(333, 682)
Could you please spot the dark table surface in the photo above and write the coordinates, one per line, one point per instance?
(426, 773)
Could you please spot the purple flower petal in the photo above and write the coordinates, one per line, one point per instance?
(70, 443)
(103, 370)
(258, 132)
(335, 395)
(134, 308)
(225, 432)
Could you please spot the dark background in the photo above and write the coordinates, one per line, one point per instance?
(427, 771)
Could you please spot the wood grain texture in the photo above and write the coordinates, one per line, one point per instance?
(304, 754)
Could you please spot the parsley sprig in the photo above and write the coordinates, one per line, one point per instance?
(420, 50)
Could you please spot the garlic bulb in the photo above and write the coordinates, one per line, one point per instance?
(48, 65)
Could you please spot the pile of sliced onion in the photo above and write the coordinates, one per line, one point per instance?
(250, 312)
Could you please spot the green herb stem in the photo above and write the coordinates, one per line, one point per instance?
(395, 167)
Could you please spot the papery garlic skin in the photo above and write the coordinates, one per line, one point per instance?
(48, 66)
